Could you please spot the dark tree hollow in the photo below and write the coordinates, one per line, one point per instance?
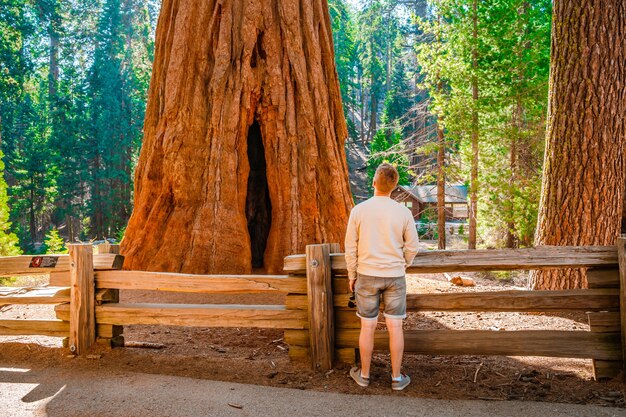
(258, 204)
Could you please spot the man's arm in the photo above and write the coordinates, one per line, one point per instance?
(411, 240)
(351, 243)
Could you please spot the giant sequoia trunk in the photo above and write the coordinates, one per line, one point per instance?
(583, 181)
(243, 159)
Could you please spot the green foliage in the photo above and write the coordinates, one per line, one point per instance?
(73, 83)
(397, 100)
(509, 60)
(54, 243)
(429, 214)
(345, 49)
(387, 147)
(422, 229)
(118, 80)
(8, 241)
(120, 234)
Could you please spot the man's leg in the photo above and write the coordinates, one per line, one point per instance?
(395, 312)
(396, 344)
(366, 345)
(368, 305)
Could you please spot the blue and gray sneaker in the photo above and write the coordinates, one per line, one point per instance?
(355, 373)
(404, 381)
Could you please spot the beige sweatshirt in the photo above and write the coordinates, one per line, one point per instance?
(381, 239)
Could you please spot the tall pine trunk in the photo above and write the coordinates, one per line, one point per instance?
(473, 209)
(441, 188)
(584, 170)
(373, 115)
(243, 160)
(511, 240)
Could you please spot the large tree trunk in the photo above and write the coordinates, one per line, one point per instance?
(243, 160)
(583, 180)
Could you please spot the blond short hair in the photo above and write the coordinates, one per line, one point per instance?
(386, 178)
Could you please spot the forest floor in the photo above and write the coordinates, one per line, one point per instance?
(254, 356)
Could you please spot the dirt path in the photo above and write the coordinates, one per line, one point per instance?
(62, 392)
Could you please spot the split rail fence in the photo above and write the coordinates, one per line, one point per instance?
(318, 316)
(69, 283)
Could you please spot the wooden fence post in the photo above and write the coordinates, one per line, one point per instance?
(107, 247)
(340, 286)
(109, 335)
(621, 255)
(604, 321)
(321, 317)
(82, 298)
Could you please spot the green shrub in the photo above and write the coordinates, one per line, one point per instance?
(54, 243)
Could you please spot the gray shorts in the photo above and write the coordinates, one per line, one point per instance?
(367, 292)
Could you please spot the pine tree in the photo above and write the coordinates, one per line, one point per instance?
(9, 243)
(118, 84)
(54, 243)
(503, 54)
(387, 146)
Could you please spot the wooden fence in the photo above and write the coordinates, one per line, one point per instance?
(66, 272)
(603, 343)
(86, 290)
(318, 317)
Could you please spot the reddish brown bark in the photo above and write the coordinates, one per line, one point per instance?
(584, 169)
(222, 66)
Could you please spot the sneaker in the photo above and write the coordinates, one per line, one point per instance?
(355, 373)
(404, 381)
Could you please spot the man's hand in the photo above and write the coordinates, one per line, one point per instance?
(352, 282)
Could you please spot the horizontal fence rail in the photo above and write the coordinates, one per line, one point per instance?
(208, 284)
(542, 257)
(553, 343)
(46, 295)
(223, 284)
(509, 301)
(559, 344)
(44, 264)
(34, 328)
(203, 315)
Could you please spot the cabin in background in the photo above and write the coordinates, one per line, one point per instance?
(419, 198)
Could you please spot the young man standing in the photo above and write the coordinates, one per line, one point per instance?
(381, 241)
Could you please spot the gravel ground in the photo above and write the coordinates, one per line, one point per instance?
(61, 392)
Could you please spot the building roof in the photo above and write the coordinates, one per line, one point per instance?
(428, 193)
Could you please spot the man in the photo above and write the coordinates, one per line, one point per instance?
(381, 241)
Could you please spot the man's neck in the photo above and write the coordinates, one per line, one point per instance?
(379, 194)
